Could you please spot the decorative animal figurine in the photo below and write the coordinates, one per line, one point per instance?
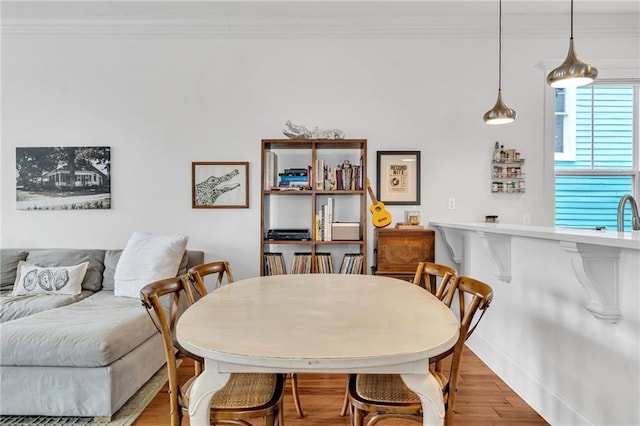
(295, 131)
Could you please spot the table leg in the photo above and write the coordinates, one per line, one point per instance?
(430, 393)
(204, 387)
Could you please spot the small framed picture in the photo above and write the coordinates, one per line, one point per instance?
(399, 177)
(219, 185)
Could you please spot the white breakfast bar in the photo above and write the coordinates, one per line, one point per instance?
(564, 328)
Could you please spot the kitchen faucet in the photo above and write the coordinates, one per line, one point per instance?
(635, 219)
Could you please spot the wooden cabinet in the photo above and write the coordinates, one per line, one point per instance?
(397, 252)
(335, 170)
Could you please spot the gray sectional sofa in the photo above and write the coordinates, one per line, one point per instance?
(81, 355)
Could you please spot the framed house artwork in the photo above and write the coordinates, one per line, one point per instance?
(63, 178)
(399, 177)
(219, 185)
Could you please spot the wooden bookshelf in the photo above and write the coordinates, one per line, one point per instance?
(334, 191)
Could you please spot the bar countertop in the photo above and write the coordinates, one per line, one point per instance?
(626, 240)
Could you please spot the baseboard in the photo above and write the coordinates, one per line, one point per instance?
(549, 405)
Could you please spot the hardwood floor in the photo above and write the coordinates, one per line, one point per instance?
(483, 399)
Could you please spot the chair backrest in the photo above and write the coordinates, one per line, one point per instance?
(221, 268)
(473, 296)
(162, 301)
(429, 273)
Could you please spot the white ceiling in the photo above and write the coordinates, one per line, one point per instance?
(361, 18)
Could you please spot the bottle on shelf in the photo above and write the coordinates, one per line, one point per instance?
(496, 152)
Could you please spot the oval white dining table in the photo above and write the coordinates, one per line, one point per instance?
(318, 323)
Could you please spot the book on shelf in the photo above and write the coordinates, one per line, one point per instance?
(274, 264)
(351, 263)
(301, 263)
(294, 178)
(319, 178)
(344, 177)
(270, 170)
(324, 218)
(328, 211)
(300, 171)
(324, 263)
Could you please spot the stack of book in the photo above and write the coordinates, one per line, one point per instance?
(274, 264)
(345, 177)
(301, 263)
(324, 219)
(324, 263)
(294, 179)
(351, 263)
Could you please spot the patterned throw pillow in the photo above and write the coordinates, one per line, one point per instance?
(33, 279)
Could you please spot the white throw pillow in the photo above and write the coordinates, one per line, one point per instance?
(145, 259)
(33, 279)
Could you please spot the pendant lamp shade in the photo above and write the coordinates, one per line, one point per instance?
(572, 72)
(500, 113)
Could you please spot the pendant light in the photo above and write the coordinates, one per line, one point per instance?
(500, 113)
(572, 72)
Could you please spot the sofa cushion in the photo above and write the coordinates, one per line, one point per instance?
(147, 258)
(93, 332)
(34, 279)
(9, 259)
(111, 258)
(69, 257)
(14, 307)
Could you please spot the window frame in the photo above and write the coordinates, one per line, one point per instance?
(633, 172)
(568, 127)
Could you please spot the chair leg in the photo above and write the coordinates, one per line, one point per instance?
(296, 397)
(280, 414)
(270, 420)
(345, 403)
(358, 417)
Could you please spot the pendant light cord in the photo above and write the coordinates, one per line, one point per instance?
(572, 19)
(500, 47)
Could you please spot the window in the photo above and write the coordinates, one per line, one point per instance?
(596, 153)
(565, 124)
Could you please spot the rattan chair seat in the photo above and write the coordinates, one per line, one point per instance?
(240, 392)
(385, 387)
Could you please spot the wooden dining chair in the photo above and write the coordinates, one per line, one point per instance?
(386, 396)
(435, 277)
(222, 269)
(246, 396)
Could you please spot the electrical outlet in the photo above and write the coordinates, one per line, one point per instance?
(526, 219)
(452, 203)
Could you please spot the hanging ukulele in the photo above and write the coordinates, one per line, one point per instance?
(380, 216)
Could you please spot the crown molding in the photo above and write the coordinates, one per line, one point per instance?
(419, 27)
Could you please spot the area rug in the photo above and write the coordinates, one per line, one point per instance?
(125, 416)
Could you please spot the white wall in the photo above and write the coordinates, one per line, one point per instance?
(161, 103)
